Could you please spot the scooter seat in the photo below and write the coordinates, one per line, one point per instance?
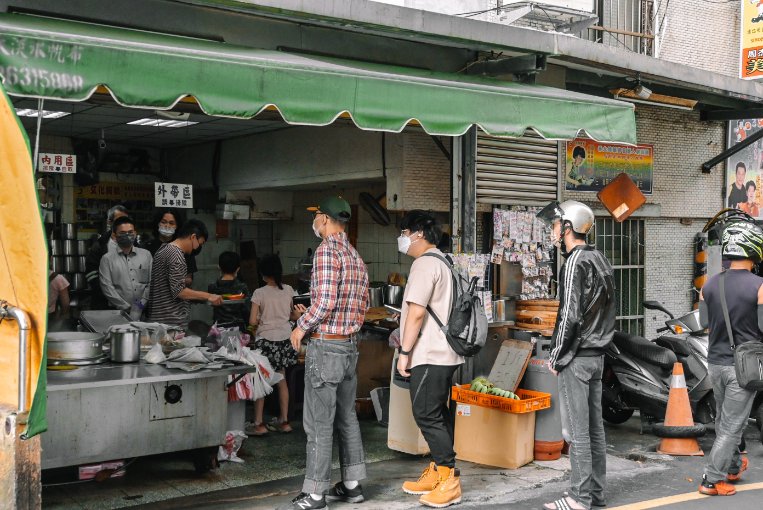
(644, 349)
(675, 343)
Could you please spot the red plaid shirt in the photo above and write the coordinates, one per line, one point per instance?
(338, 289)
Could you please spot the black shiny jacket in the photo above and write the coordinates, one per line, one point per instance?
(585, 323)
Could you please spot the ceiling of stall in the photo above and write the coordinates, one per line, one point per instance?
(91, 121)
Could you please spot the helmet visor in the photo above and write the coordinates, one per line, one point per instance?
(551, 212)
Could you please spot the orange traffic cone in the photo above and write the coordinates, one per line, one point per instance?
(678, 416)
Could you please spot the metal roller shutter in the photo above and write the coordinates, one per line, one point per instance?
(516, 171)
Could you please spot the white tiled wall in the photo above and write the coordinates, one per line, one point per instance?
(376, 244)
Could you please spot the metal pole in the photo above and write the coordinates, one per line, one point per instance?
(11, 312)
(469, 191)
(40, 103)
(707, 165)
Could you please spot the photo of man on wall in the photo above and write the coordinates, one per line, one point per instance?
(738, 192)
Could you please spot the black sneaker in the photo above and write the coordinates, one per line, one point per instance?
(341, 493)
(304, 502)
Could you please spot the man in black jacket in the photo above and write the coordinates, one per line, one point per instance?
(585, 325)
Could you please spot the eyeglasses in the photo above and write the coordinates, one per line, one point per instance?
(316, 213)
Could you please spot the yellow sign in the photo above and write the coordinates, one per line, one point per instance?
(751, 40)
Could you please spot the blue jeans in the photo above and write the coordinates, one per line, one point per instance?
(583, 427)
(330, 388)
(732, 408)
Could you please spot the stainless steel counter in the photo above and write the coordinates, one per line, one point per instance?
(121, 374)
(117, 411)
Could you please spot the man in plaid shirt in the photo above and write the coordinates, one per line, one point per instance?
(339, 297)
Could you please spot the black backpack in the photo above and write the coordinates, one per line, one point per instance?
(466, 327)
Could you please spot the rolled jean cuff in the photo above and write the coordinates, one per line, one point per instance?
(354, 472)
(315, 486)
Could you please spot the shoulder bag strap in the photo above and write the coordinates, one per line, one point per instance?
(725, 308)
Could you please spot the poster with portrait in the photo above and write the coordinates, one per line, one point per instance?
(591, 165)
(744, 170)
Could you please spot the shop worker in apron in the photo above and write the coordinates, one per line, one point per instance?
(742, 244)
(585, 326)
(339, 300)
(427, 358)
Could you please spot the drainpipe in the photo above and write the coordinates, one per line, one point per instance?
(12, 312)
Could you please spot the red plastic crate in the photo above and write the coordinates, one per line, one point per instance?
(530, 401)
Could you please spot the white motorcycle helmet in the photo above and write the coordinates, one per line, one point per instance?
(578, 216)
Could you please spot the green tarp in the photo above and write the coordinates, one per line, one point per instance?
(43, 57)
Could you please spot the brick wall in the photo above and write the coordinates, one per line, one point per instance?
(681, 143)
(701, 34)
(426, 173)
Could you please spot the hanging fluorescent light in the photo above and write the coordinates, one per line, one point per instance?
(46, 114)
(167, 123)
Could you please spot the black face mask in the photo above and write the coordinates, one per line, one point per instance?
(195, 252)
(125, 240)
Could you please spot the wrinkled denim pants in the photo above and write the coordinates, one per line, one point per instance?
(583, 427)
(732, 407)
(329, 404)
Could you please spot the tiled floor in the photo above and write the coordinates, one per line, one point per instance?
(163, 477)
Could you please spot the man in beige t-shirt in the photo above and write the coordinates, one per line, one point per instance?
(427, 358)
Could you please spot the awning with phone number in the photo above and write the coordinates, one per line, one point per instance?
(67, 60)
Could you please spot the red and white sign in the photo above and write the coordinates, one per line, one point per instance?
(57, 163)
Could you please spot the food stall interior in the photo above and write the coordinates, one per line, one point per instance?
(121, 152)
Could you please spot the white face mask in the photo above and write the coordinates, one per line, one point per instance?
(166, 232)
(316, 231)
(404, 244)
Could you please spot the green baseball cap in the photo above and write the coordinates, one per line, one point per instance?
(334, 207)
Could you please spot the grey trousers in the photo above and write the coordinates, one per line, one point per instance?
(732, 408)
(583, 428)
(329, 404)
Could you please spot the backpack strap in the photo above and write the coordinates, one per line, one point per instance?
(454, 277)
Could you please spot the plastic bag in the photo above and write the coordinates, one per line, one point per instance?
(155, 355)
(229, 449)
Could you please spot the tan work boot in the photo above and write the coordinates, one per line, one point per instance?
(426, 482)
(448, 490)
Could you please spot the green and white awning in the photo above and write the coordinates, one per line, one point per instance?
(56, 59)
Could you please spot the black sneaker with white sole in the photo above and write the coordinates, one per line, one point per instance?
(304, 502)
(341, 493)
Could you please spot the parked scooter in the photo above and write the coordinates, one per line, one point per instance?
(683, 330)
(637, 371)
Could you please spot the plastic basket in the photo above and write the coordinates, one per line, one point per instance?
(530, 401)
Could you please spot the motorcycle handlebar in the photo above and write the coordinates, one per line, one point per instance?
(664, 328)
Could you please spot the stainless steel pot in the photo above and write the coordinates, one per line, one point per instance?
(70, 247)
(376, 296)
(57, 264)
(68, 231)
(78, 281)
(81, 263)
(393, 295)
(81, 247)
(74, 345)
(125, 344)
(55, 247)
(70, 264)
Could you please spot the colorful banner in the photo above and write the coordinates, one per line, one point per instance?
(121, 191)
(751, 40)
(744, 170)
(592, 165)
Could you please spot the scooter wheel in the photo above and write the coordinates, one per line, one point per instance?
(661, 430)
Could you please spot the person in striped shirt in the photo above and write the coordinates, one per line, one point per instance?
(170, 297)
(339, 300)
(584, 328)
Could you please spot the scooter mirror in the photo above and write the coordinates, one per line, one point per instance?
(656, 305)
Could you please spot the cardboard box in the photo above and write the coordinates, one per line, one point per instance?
(479, 429)
(403, 435)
